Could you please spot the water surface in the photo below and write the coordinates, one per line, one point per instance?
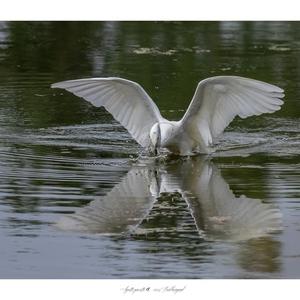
(80, 199)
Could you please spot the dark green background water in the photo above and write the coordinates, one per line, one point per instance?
(58, 153)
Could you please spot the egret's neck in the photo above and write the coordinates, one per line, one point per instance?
(155, 136)
(167, 129)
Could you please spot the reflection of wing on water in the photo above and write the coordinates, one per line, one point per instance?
(121, 210)
(216, 210)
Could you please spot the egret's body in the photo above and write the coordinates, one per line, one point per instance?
(216, 102)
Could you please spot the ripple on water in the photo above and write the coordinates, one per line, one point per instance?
(280, 138)
(50, 171)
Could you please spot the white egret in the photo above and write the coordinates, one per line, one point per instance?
(217, 100)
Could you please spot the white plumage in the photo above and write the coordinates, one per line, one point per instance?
(217, 100)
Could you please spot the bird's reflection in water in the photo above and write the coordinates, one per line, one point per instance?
(214, 210)
(121, 210)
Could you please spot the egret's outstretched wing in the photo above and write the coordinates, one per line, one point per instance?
(125, 100)
(218, 100)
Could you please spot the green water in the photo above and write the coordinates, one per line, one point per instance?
(79, 200)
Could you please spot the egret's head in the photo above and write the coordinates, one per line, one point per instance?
(155, 137)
